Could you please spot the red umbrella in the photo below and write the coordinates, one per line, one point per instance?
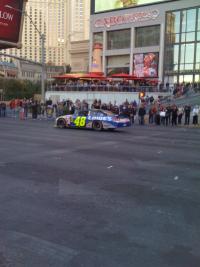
(121, 75)
(134, 78)
(93, 75)
(67, 76)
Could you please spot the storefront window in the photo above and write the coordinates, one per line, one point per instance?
(118, 39)
(111, 71)
(147, 36)
(182, 44)
(118, 61)
(118, 64)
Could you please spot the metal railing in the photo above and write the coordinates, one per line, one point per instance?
(104, 88)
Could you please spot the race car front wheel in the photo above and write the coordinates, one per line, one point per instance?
(61, 123)
(97, 125)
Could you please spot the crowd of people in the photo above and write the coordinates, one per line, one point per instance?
(124, 85)
(148, 111)
(184, 89)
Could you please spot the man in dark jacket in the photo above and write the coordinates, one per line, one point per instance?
(174, 115)
(187, 111)
(141, 114)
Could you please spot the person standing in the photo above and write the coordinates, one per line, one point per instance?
(34, 110)
(167, 117)
(25, 109)
(141, 114)
(195, 113)
(187, 111)
(151, 115)
(174, 115)
(180, 115)
(21, 110)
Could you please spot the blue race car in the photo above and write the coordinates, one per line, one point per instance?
(93, 119)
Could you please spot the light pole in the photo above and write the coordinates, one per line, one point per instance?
(42, 38)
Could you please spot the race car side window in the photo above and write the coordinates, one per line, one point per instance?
(92, 113)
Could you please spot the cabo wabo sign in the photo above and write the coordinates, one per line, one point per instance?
(127, 18)
(10, 22)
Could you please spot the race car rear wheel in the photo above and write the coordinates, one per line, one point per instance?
(97, 125)
(61, 123)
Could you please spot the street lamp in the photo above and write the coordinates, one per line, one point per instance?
(42, 37)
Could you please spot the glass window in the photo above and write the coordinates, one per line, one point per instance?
(184, 20)
(118, 61)
(175, 22)
(147, 36)
(180, 58)
(191, 20)
(197, 78)
(197, 67)
(111, 71)
(172, 53)
(198, 36)
(118, 39)
(190, 37)
(198, 23)
(189, 53)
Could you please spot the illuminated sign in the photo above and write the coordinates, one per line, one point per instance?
(106, 5)
(10, 22)
(145, 65)
(127, 18)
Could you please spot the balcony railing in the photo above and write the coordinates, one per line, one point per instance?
(103, 88)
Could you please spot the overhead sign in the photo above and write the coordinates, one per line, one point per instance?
(11, 13)
(105, 5)
(127, 18)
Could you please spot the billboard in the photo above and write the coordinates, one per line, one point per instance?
(145, 65)
(106, 5)
(10, 22)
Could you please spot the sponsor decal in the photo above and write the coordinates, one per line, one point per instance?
(93, 118)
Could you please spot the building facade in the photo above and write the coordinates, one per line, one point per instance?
(159, 41)
(79, 21)
(50, 18)
(18, 69)
(65, 24)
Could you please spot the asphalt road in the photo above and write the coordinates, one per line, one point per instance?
(73, 198)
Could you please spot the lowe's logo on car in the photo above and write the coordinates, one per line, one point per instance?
(93, 118)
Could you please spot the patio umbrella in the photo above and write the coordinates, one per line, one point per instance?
(121, 75)
(93, 76)
(67, 76)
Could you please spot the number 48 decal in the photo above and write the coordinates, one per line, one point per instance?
(80, 121)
